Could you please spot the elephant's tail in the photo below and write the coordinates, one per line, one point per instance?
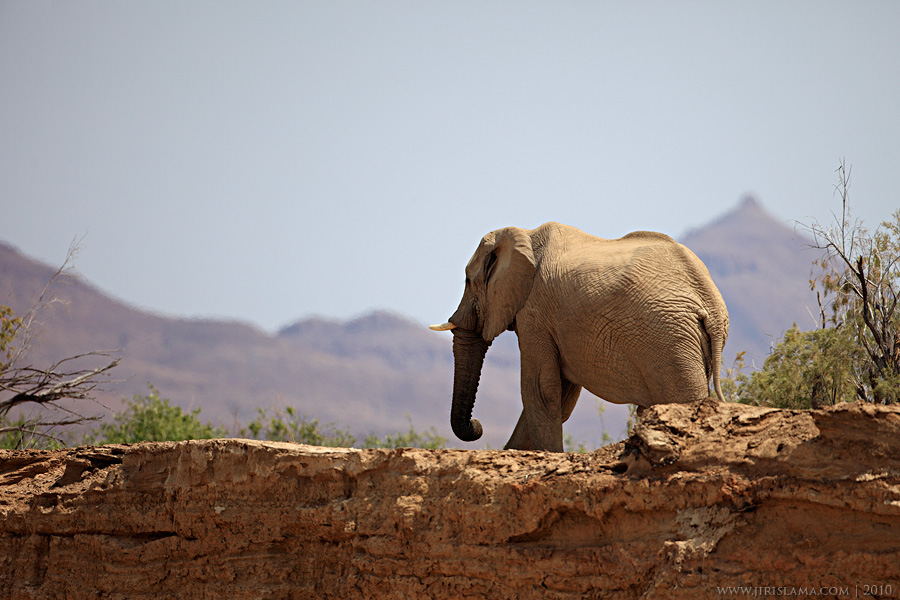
(717, 368)
(716, 333)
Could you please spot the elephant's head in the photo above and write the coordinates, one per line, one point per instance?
(498, 282)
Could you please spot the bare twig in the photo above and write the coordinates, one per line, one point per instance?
(44, 387)
(821, 309)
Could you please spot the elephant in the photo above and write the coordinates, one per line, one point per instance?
(633, 320)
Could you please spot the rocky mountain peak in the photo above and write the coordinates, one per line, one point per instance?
(747, 222)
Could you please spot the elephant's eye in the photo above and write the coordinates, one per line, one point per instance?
(468, 281)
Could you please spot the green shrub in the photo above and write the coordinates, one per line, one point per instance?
(151, 418)
(411, 439)
(289, 426)
(10, 325)
(805, 369)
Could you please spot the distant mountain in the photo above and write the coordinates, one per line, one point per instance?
(369, 373)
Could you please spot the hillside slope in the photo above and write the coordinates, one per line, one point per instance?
(369, 373)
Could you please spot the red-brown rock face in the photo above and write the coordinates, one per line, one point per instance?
(704, 496)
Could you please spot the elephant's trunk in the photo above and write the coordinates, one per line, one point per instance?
(469, 349)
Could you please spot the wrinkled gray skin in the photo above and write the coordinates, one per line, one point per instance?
(634, 320)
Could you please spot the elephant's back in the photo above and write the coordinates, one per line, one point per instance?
(646, 236)
(637, 259)
(638, 319)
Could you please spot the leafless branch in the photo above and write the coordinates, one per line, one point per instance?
(821, 308)
(46, 387)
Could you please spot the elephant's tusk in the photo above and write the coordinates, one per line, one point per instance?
(445, 327)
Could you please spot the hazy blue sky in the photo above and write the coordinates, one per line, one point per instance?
(271, 160)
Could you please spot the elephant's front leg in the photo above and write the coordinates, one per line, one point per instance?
(542, 401)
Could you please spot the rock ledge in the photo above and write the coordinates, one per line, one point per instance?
(703, 496)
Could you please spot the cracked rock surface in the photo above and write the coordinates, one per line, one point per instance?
(702, 496)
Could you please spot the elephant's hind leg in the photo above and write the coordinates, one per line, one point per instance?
(519, 440)
(570, 393)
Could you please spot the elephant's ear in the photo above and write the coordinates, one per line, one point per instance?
(509, 275)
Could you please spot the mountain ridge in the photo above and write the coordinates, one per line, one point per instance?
(369, 372)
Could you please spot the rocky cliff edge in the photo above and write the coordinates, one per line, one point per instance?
(703, 500)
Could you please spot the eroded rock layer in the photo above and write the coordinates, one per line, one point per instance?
(701, 498)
